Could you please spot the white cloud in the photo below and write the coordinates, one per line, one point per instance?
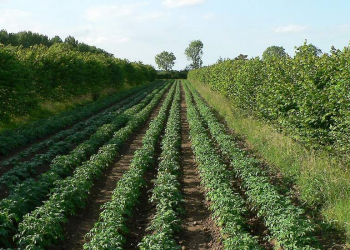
(208, 16)
(98, 13)
(291, 28)
(13, 16)
(181, 3)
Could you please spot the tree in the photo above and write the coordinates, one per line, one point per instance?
(4, 37)
(56, 39)
(194, 53)
(307, 50)
(165, 60)
(71, 41)
(241, 57)
(274, 52)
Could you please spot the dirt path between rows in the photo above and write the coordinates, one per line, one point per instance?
(78, 226)
(145, 210)
(199, 231)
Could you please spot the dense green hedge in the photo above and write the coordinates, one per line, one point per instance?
(172, 74)
(31, 75)
(307, 96)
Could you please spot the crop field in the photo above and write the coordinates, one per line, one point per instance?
(152, 167)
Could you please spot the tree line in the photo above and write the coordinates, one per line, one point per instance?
(28, 38)
(30, 75)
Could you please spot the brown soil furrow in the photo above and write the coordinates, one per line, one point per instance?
(144, 211)
(79, 225)
(199, 231)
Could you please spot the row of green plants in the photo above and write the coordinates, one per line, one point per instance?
(44, 226)
(24, 170)
(30, 193)
(166, 194)
(306, 96)
(110, 230)
(11, 140)
(286, 222)
(32, 149)
(30, 76)
(227, 206)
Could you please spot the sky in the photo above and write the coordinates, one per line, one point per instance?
(138, 30)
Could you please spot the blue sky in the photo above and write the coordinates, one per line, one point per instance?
(138, 30)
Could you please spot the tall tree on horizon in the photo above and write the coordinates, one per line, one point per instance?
(165, 60)
(194, 53)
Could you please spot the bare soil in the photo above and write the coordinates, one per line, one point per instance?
(144, 211)
(199, 231)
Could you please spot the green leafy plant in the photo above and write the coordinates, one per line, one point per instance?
(109, 232)
(285, 221)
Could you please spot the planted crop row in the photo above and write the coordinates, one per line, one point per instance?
(29, 194)
(226, 206)
(166, 192)
(282, 218)
(109, 232)
(129, 95)
(26, 169)
(14, 139)
(43, 226)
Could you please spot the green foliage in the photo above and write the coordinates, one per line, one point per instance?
(28, 194)
(285, 221)
(109, 232)
(307, 96)
(43, 226)
(241, 57)
(194, 53)
(172, 74)
(63, 141)
(27, 39)
(226, 205)
(166, 192)
(274, 52)
(165, 60)
(31, 75)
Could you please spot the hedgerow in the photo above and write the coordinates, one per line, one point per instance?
(307, 96)
(29, 76)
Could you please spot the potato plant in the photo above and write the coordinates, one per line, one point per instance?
(226, 205)
(29, 194)
(80, 132)
(166, 192)
(43, 226)
(285, 221)
(109, 232)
